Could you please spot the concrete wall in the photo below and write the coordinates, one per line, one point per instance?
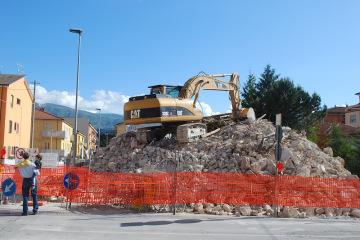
(355, 116)
(335, 118)
(120, 129)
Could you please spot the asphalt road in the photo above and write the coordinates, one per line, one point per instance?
(55, 222)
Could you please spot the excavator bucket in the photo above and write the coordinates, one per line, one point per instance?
(248, 113)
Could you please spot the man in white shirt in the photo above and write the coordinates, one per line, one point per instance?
(27, 170)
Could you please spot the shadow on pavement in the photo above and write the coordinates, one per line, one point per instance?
(10, 213)
(101, 210)
(181, 221)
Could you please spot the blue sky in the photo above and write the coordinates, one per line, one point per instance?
(128, 45)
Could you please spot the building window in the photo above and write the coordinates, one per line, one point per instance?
(16, 127)
(353, 119)
(12, 101)
(10, 126)
(18, 101)
(11, 150)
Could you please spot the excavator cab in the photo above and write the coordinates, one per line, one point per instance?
(173, 108)
(168, 90)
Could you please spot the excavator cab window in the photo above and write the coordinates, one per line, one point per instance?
(173, 91)
(157, 90)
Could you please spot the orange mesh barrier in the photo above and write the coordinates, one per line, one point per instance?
(189, 187)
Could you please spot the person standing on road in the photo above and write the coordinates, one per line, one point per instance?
(27, 169)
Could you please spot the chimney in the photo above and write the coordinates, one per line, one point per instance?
(358, 94)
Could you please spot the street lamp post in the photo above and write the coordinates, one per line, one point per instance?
(79, 32)
(99, 125)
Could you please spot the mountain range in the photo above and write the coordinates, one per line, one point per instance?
(108, 120)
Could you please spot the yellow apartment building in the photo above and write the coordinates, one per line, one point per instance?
(52, 134)
(92, 138)
(89, 132)
(81, 145)
(15, 113)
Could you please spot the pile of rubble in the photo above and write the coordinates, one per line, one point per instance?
(243, 148)
(238, 147)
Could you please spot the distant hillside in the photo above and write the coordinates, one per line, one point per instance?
(108, 120)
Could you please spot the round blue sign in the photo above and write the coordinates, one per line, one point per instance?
(71, 181)
(8, 187)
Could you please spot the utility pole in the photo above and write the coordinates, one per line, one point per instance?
(33, 115)
(78, 32)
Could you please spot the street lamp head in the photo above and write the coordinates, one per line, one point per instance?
(75, 30)
(98, 109)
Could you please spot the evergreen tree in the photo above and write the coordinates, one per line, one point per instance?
(266, 80)
(272, 95)
(263, 92)
(249, 92)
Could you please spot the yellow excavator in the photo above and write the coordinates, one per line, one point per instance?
(172, 109)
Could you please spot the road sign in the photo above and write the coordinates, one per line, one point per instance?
(278, 119)
(71, 181)
(19, 153)
(279, 167)
(8, 187)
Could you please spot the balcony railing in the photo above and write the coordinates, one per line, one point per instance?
(55, 134)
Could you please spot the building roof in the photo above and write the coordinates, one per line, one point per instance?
(345, 129)
(354, 108)
(42, 115)
(336, 110)
(7, 79)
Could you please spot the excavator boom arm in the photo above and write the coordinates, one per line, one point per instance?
(210, 82)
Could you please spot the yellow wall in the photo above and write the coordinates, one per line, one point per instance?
(19, 114)
(92, 138)
(66, 143)
(80, 142)
(44, 143)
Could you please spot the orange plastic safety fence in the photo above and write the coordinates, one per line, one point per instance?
(189, 187)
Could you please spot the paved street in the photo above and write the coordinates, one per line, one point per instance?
(55, 222)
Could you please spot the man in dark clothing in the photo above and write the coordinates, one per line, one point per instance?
(38, 165)
(38, 162)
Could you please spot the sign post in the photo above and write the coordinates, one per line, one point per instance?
(278, 152)
(71, 182)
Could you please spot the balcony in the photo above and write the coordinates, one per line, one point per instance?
(55, 134)
(61, 153)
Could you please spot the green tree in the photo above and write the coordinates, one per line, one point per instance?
(249, 97)
(266, 80)
(346, 147)
(264, 88)
(272, 95)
